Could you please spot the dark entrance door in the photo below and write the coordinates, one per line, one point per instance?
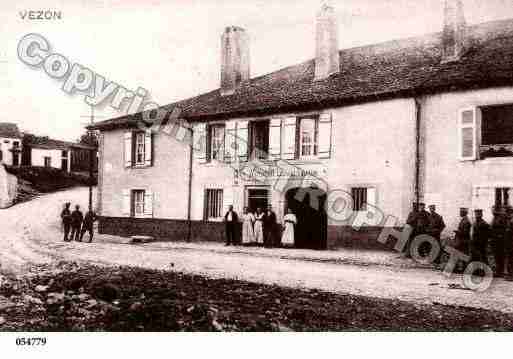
(312, 221)
(258, 198)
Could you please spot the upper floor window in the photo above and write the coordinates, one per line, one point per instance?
(492, 131)
(216, 142)
(307, 137)
(259, 139)
(139, 148)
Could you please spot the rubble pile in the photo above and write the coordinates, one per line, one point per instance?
(78, 296)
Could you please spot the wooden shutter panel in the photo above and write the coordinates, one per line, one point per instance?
(128, 138)
(371, 196)
(148, 204)
(148, 148)
(289, 138)
(275, 139)
(200, 142)
(468, 133)
(125, 203)
(242, 140)
(324, 136)
(226, 200)
(230, 141)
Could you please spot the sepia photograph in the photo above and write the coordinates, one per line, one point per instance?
(255, 166)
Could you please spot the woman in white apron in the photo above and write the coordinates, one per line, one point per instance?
(259, 226)
(248, 234)
(289, 222)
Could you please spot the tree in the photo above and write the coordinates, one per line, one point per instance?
(90, 138)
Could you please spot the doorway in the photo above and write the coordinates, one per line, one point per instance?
(257, 198)
(312, 221)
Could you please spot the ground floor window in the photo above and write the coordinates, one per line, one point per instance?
(502, 197)
(48, 161)
(138, 203)
(213, 204)
(257, 198)
(359, 195)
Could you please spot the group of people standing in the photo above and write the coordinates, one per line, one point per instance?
(75, 224)
(471, 238)
(260, 228)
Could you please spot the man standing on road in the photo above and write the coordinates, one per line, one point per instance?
(435, 228)
(66, 220)
(412, 222)
(89, 219)
(480, 234)
(231, 221)
(498, 234)
(270, 225)
(76, 222)
(462, 237)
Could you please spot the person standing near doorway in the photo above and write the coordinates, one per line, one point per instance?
(248, 233)
(231, 220)
(498, 234)
(76, 223)
(270, 225)
(462, 236)
(66, 220)
(435, 228)
(289, 224)
(259, 226)
(412, 222)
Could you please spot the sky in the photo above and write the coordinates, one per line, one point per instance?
(172, 48)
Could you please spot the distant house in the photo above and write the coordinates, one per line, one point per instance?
(10, 144)
(68, 156)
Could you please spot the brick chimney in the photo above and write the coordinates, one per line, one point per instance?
(327, 57)
(234, 59)
(454, 38)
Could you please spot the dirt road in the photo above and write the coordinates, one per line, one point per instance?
(31, 234)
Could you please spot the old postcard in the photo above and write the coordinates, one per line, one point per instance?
(255, 166)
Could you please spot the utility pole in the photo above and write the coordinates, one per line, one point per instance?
(92, 156)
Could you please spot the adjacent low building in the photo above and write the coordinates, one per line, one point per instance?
(10, 144)
(419, 119)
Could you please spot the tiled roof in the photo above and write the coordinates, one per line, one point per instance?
(51, 144)
(392, 69)
(9, 130)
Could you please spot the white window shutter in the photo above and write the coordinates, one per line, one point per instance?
(289, 138)
(324, 136)
(371, 196)
(125, 203)
(227, 199)
(242, 140)
(148, 204)
(200, 142)
(468, 141)
(128, 149)
(148, 148)
(275, 139)
(230, 141)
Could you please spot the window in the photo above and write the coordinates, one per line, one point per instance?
(139, 148)
(138, 203)
(259, 141)
(497, 125)
(64, 154)
(307, 137)
(48, 161)
(501, 197)
(359, 195)
(216, 142)
(257, 198)
(213, 204)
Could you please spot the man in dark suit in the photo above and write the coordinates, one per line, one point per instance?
(231, 221)
(270, 225)
(76, 223)
(66, 220)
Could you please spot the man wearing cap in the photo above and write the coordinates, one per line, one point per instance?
(463, 235)
(480, 234)
(412, 222)
(435, 227)
(498, 236)
(509, 243)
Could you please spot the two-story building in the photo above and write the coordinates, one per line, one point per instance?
(419, 119)
(10, 144)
